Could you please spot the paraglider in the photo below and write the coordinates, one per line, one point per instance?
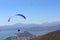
(17, 15)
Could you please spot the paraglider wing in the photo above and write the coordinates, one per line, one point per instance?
(21, 15)
(16, 15)
(9, 19)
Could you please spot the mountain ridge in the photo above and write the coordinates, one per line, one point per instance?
(33, 27)
(55, 35)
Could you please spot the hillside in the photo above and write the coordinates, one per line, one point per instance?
(21, 36)
(50, 36)
(25, 34)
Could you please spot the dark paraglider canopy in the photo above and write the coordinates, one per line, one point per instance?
(16, 15)
(9, 19)
(21, 16)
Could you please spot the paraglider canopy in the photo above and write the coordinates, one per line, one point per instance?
(21, 16)
(17, 15)
(9, 18)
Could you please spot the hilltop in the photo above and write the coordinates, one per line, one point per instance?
(50, 36)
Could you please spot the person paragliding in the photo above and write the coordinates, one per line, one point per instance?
(18, 30)
(20, 15)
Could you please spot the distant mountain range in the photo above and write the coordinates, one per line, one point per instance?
(33, 27)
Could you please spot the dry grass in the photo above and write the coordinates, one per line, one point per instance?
(50, 36)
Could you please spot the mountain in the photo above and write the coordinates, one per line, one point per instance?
(21, 36)
(45, 28)
(50, 36)
(33, 27)
(51, 24)
(16, 26)
(25, 34)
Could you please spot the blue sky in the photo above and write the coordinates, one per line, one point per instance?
(36, 11)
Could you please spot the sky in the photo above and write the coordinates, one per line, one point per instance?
(36, 11)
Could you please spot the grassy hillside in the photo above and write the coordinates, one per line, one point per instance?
(50, 36)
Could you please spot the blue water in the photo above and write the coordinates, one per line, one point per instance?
(5, 34)
(39, 33)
